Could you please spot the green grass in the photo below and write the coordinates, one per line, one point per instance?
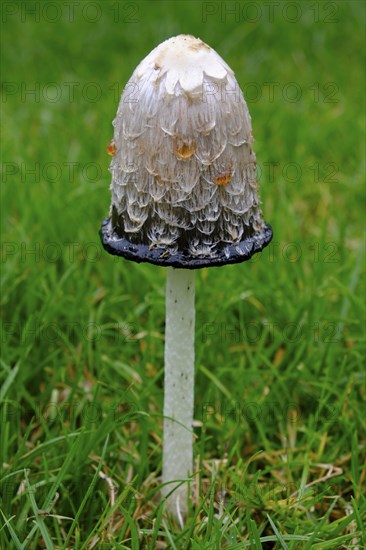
(280, 379)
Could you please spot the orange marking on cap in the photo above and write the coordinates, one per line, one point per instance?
(185, 151)
(223, 180)
(111, 148)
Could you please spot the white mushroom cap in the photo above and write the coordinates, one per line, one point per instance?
(183, 59)
(183, 172)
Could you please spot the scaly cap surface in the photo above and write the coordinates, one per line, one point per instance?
(184, 187)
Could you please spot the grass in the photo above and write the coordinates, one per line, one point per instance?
(280, 379)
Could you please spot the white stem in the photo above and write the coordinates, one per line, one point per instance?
(178, 388)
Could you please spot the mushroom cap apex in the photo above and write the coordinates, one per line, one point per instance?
(184, 59)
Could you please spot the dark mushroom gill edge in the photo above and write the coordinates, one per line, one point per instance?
(226, 254)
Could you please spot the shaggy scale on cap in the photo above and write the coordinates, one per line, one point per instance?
(184, 187)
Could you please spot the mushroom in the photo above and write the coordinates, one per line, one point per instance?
(184, 196)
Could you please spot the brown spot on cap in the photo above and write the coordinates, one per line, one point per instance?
(223, 180)
(111, 148)
(185, 150)
(197, 45)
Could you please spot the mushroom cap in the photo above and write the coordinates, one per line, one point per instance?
(184, 186)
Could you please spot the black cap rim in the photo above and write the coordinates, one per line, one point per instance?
(229, 254)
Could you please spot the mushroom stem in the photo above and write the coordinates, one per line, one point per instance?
(178, 389)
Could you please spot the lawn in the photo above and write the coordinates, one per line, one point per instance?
(280, 376)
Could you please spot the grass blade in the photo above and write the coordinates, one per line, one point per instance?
(38, 519)
(277, 533)
(13, 534)
(87, 494)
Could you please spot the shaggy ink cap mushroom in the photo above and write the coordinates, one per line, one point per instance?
(184, 186)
